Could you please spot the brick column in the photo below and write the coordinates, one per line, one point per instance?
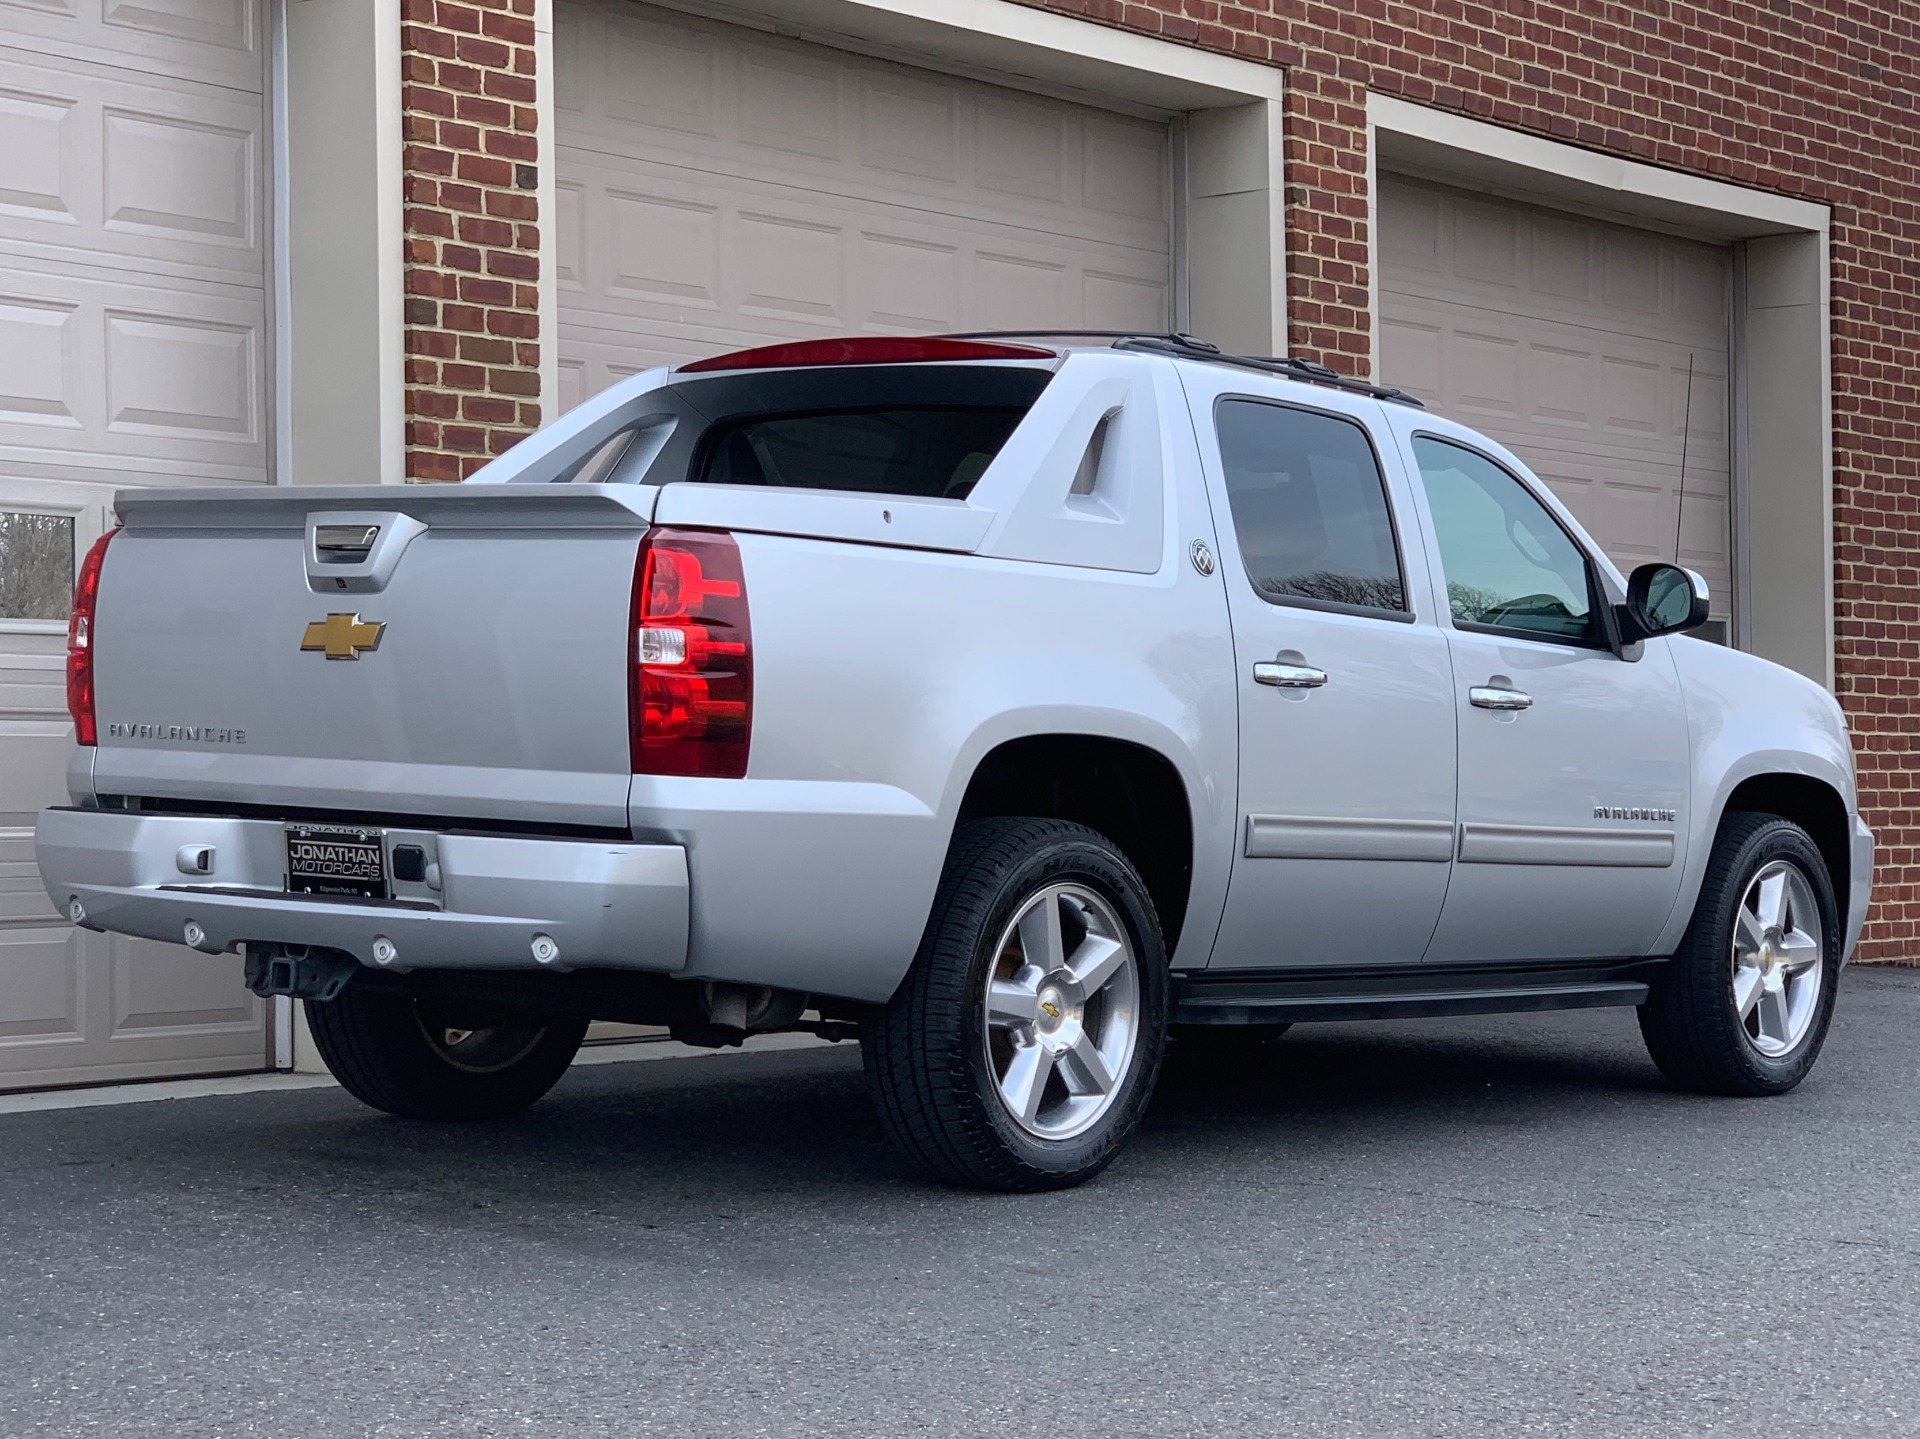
(472, 232)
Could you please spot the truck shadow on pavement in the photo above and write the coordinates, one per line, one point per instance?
(794, 1122)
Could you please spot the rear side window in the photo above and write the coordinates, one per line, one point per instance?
(922, 430)
(1309, 507)
(936, 452)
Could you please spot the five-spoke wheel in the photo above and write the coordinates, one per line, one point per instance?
(1778, 958)
(1021, 1049)
(1744, 1005)
(1063, 1011)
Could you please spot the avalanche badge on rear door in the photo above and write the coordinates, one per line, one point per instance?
(342, 637)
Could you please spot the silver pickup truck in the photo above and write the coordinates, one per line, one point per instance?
(1012, 704)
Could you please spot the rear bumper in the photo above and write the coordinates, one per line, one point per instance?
(604, 905)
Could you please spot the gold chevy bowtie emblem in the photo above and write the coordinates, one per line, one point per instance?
(1052, 1009)
(342, 637)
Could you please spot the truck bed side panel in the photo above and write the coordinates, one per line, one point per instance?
(883, 677)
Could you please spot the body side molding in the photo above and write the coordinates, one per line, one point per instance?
(1280, 836)
(1556, 844)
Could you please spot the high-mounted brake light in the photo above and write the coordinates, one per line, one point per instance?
(86, 593)
(691, 662)
(866, 350)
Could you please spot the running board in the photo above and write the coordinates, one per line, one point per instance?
(1270, 998)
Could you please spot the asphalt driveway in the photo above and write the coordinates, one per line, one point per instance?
(1462, 1227)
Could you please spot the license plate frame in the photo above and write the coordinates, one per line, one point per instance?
(338, 860)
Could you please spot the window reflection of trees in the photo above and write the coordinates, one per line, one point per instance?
(36, 565)
(1381, 592)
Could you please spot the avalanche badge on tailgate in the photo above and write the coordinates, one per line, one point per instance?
(342, 637)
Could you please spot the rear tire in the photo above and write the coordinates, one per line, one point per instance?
(1021, 1049)
(1744, 1007)
(434, 1059)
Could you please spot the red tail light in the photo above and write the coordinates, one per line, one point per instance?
(866, 350)
(86, 591)
(691, 709)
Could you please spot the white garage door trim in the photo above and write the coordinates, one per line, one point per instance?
(1229, 110)
(1783, 497)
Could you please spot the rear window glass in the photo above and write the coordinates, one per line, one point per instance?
(931, 451)
(922, 430)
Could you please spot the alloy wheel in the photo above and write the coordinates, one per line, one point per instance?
(1779, 959)
(1062, 1011)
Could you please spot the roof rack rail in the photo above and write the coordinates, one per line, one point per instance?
(1294, 367)
(1189, 347)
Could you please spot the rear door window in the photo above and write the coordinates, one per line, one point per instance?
(1309, 507)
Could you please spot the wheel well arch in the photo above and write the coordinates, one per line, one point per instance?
(1129, 792)
(1816, 807)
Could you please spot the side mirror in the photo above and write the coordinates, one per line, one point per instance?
(1663, 600)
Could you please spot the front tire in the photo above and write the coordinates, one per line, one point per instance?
(1744, 1007)
(435, 1059)
(1021, 1049)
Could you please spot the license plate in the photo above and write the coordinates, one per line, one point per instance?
(325, 860)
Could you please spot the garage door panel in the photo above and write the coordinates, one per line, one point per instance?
(214, 42)
(148, 174)
(789, 104)
(1007, 202)
(39, 989)
(1123, 171)
(1627, 397)
(719, 188)
(227, 24)
(912, 285)
(908, 128)
(1122, 302)
(132, 351)
(103, 368)
(786, 268)
(676, 252)
(1570, 341)
(1486, 245)
(167, 989)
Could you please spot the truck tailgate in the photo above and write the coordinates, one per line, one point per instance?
(478, 671)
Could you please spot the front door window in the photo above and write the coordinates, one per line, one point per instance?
(1509, 565)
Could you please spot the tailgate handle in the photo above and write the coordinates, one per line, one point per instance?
(344, 544)
(356, 550)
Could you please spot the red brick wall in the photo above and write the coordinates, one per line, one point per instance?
(1807, 99)
(472, 232)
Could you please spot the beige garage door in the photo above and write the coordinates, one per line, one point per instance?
(1569, 341)
(132, 351)
(720, 188)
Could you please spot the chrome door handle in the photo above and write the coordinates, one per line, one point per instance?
(1287, 676)
(1488, 697)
